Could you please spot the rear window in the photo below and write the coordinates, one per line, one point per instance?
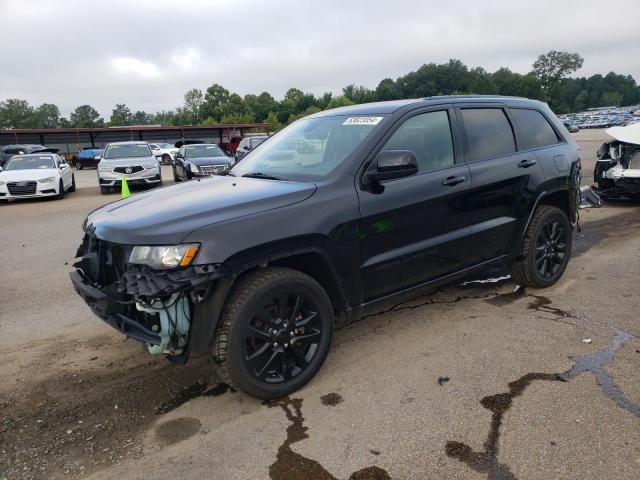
(533, 129)
(489, 132)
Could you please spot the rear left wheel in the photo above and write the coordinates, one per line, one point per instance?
(275, 333)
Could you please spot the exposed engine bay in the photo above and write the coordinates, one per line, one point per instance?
(617, 171)
(154, 307)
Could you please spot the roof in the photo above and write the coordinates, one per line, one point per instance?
(394, 105)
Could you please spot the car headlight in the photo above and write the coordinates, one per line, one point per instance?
(149, 166)
(164, 256)
(194, 168)
(47, 180)
(2, 182)
(103, 168)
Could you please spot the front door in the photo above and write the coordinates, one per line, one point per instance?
(417, 228)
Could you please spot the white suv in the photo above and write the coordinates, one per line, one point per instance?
(131, 160)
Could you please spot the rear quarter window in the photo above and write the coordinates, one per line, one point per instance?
(534, 130)
(489, 133)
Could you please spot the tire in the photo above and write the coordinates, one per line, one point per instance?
(60, 194)
(72, 188)
(105, 190)
(546, 249)
(267, 312)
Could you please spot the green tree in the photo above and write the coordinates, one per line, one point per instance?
(85, 116)
(215, 102)
(193, 104)
(260, 105)
(273, 122)
(340, 101)
(582, 101)
(121, 116)
(359, 94)
(553, 66)
(141, 118)
(46, 115)
(16, 113)
(387, 89)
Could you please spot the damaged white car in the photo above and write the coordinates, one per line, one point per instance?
(617, 171)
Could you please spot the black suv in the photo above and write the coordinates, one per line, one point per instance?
(335, 213)
(9, 151)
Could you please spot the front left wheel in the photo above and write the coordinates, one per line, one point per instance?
(275, 333)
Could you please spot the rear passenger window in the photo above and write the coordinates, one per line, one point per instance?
(428, 135)
(533, 129)
(489, 132)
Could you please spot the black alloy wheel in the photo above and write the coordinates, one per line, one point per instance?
(282, 336)
(550, 249)
(275, 332)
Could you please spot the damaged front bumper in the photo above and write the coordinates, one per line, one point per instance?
(154, 307)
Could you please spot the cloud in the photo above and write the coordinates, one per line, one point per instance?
(129, 65)
(148, 53)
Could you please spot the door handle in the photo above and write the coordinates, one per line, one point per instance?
(451, 181)
(526, 163)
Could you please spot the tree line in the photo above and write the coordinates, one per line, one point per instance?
(549, 80)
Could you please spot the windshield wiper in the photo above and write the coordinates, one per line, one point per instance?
(266, 176)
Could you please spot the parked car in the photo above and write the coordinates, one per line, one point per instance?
(9, 151)
(200, 160)
(36, 175)
(247, 144)
(89, 157)
(257, 266)
(571, 127)
(165, 153)
(617, 171)
(131, 160)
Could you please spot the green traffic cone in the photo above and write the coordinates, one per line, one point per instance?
(124, 189)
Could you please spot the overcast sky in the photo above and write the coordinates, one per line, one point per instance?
(147, 53)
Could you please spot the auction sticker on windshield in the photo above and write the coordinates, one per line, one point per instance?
(362, 121)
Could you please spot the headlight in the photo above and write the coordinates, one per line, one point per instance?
(103, 168)
(2, 182)
(164, 257)
(149, 166)
(194, 168)
(47, 180)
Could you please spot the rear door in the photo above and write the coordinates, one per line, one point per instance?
(417, 228)
(503, 180)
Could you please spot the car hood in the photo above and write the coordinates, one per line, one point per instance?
(25, 175)
(167, 215)
(123, 162)
(200, 161)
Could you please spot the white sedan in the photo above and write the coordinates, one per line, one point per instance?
(164, 152)
(36, 175)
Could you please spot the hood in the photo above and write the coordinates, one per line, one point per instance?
(123, 162)
(200, 161)
(628, 134)
(165, 216)
(25, 175)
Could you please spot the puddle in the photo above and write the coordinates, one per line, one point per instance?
(486, 462)
(199, 389)
(543, 304)
(331, 399)
(595, 363)
(290, 465)
(177, 430)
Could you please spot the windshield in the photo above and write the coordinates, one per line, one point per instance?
(30, 163)
(127, 151)
(200, 151)
(165, 145)
(308, 149)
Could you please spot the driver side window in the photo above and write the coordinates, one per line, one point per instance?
(428, 135)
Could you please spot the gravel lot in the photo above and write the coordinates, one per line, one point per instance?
(472, 381)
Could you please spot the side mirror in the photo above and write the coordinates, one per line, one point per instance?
(392, 164)
(97, 157)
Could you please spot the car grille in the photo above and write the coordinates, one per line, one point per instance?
(21, 188)
(103, 262)
(128, 170)
(213, 169)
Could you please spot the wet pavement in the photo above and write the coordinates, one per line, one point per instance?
(477, 380)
